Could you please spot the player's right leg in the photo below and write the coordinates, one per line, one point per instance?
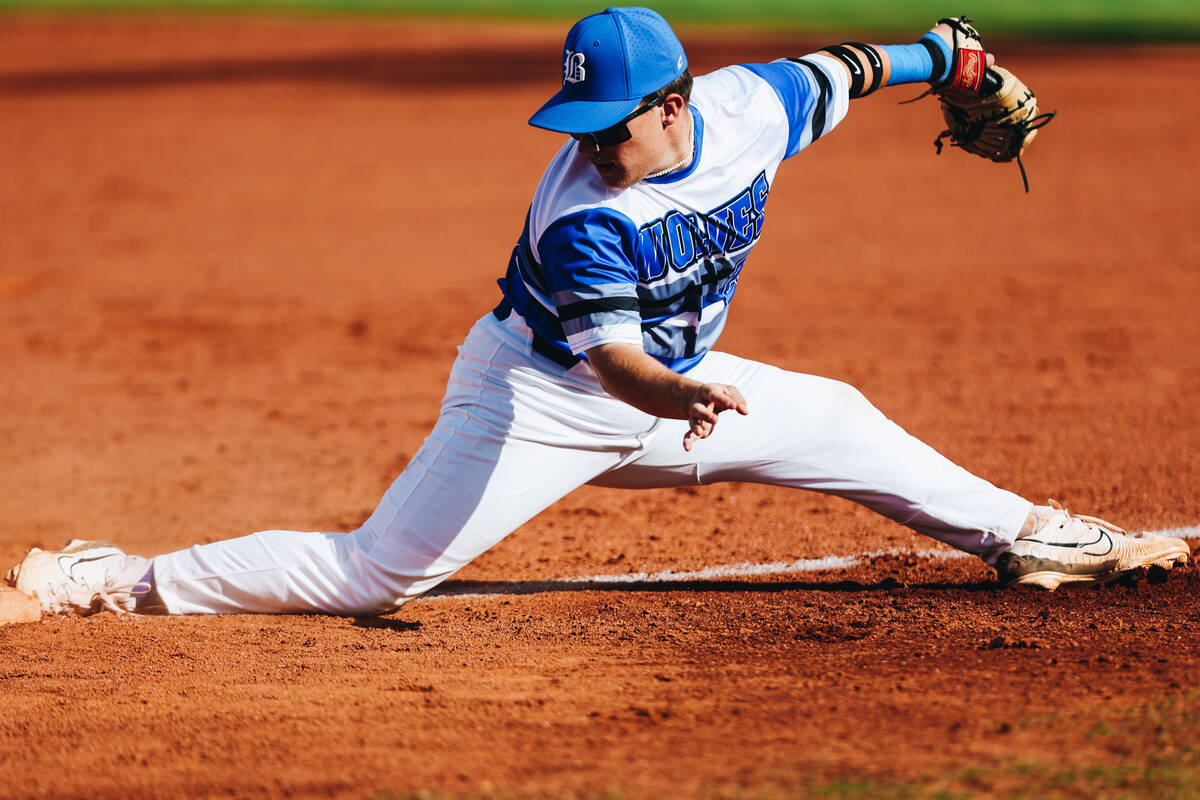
(515, 434)
(814, 433)
(810, 432)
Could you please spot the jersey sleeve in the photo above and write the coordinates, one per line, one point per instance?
(814, 91)
(589, 261)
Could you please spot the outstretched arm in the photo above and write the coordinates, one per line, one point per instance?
(871, 66)
(629, 374)
(815, 90)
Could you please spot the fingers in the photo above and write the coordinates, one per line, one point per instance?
(723, 398)
(735, 401)
(702, 413)
(710, 400)
(697, 430)
(702, 425)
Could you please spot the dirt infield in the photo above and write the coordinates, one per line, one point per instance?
(236, 258)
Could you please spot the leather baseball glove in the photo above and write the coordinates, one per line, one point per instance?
(988, 110)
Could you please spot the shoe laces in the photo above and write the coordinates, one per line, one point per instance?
(110, 601)
(101, 598)
(1059, 508)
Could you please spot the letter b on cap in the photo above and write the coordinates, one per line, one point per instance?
(573, 71)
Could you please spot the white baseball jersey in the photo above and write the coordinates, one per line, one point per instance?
(657, 264)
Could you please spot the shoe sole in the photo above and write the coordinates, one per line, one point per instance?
(1051, 580)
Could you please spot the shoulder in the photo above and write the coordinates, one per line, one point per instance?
(733, 84)
(762, 94)
(741, 112)
(789, 77)
(732, 80)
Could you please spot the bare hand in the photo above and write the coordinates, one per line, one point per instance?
(709, 400)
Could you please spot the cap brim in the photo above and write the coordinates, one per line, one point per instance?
(581, 116)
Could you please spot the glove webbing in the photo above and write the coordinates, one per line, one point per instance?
(1021, 128)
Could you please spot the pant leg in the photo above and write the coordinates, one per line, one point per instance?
(814, 433)
(515, 434)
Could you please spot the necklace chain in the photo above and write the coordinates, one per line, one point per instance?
(668, 170)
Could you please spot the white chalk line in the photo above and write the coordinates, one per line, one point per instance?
(726, 571)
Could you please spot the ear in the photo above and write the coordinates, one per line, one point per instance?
(672, 109)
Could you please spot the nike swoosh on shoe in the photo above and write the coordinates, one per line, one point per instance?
(1103, 537)
(75, 562)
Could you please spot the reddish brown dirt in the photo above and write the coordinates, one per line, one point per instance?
(235, 260)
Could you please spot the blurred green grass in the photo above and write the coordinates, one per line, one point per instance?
(1100, 20)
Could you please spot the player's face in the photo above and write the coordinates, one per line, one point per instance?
(621, 164)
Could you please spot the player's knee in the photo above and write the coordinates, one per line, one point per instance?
(372, 597)
(374, 606)
(368, 583)
(384, 590)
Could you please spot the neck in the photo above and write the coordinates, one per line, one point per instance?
(679, 153)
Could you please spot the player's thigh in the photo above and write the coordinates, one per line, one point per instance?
(507, 444)
(797, 423)
(800, 429)
(467, 488)
(814, 433)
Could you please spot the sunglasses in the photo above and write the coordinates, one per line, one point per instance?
(617, 133)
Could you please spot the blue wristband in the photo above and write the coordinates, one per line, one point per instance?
(912, 63)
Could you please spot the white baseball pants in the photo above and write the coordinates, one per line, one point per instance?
(517, 432)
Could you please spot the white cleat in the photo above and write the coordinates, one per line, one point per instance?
(1071, 548)
(82, 578)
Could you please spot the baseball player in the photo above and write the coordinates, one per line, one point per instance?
(598, 364)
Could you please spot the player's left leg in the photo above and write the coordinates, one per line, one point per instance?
(515, 434)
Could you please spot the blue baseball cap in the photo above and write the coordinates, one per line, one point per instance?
(611, 60)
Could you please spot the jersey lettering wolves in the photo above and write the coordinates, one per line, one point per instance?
(657, 264)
